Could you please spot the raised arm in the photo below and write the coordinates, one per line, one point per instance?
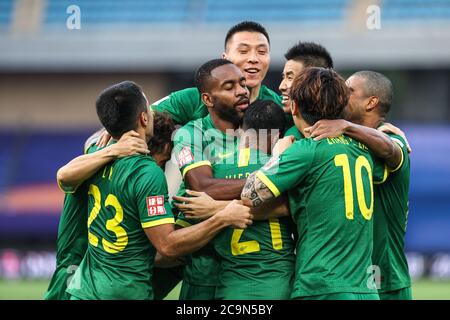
(379, 143)
(83, 167)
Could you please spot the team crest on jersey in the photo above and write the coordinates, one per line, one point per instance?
(155, 205)
(185, 156)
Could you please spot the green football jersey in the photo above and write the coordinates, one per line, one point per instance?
(257, 262)
(186, 105)
(331, 181)
(199, 143)
(72, 242)
(390, 220)
(125, 197)
(293, 131)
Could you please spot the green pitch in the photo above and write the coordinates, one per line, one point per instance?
(34, 290)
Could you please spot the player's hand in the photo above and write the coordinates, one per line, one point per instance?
(282, 145)
(199, 206)
(129, 144)
(323, 129)
(236, 215)
(103, 139)
(390, 128)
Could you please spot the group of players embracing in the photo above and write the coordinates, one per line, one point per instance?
(298, 196)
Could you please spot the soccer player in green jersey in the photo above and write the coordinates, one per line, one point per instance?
(331, 181)
(256, 263)
(247, 45)
(369, 103)
(199, 146)
(71, 243)
(300, 56)
(72, 231)
(129, 216)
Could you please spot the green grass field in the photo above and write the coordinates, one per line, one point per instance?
(34, 290)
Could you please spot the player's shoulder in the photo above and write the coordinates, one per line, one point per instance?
(138, 163)
(293, 131)
(398, 139)
(197, 126)
(189, 128)
(187, 93)
(91, 148)
(302, 148)
(307, 143)
(266, 93)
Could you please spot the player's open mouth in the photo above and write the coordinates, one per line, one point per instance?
(285, 99)
(252, 70)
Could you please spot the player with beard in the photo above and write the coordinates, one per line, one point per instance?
(199, 146)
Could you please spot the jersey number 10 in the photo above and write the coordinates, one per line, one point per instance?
(341, 160)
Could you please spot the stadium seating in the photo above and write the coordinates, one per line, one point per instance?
(5, 12)
(210, 11)
(120, 12)
(400, 10)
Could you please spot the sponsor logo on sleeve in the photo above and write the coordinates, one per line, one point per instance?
(185, 157)
(155, 206)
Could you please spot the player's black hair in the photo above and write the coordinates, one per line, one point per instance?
(264, 114)
(378, 85)
(250, 26)
(204, 72)
(320, 94)
(163, 127)
(310, 54)
(119, 106)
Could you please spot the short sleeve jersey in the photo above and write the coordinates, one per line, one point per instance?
(125, 197)
(258, 262)
(390, 220)
(331, 182)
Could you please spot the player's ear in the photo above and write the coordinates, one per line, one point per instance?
(294, 108)
(207, 100)
(372, 103)
(224, 55)
(144, 119)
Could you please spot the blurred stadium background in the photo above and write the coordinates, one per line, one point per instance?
(50, 76)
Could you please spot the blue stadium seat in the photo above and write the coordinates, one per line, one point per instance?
(6, 11)
(108, 12)
(401, 10)
(186, 11)
(129, 12)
